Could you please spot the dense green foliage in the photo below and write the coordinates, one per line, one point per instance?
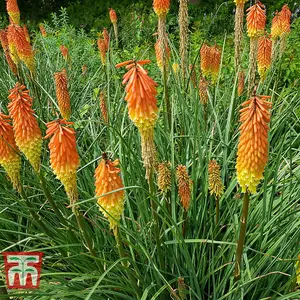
(205, 256)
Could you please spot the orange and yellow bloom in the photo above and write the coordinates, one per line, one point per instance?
(62, 93)
(20, 47)
(9, 154)
(252, 154)
(216, 186)
(13, 11)
(164, 177)
(64, 157)
(276, 26)
(5, 46)
(113, 15)
(26, 33)
(27, 131)
(108, 181)
(142, 107)
(285, 18)
(210, 61)
(106, 38)
(256, 20)
(43, 30)
(184, 186)
(102, 46)
(64, 52)
(264, 56)
(161, 7)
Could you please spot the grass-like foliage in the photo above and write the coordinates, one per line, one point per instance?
(156, 257)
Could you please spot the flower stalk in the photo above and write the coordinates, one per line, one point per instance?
(242, 237)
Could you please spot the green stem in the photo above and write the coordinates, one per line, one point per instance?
(81, 225)
(217, 210)
(240, 246)
(166, 95)
(38, 220)
(122, 254)
(47, 193)
(33, 213)
(184, 225)
(155, 218)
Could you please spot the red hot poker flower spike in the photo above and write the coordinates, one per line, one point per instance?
(27, 131)
(64, 157)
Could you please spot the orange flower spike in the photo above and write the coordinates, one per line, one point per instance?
(5, 46)
(113, 16)
(27, 131)
(102, 49)
(42, 30)
(264, 56)
(4, 40)
(276, 26)
(20, 47)
(252, 154)
(11, 44)
(285, 18)
(161, 7)
(9, 157)
(106, 38)
(64, 158)
(26, 33)
(205, 59)
(142, 109)
(62, 93)
(215, 57)
(13, 11)
(108, 180)
(256, 20)
(184, 186)
(241, 82)
(141, 96)
(64, 51)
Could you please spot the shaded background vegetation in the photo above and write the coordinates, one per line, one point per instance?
(91, 14)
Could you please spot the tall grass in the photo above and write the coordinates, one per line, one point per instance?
(205, 256)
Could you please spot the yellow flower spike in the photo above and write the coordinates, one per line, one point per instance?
(164, 177)
(216, 186)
